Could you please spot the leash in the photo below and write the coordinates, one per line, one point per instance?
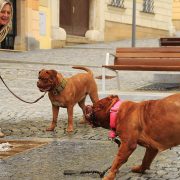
(18, 96)
(71, 172)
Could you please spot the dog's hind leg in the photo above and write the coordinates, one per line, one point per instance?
(94, 97)
(147, 160)
(93, 94)
(82, 106)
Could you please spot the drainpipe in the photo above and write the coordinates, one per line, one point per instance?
(134, 24)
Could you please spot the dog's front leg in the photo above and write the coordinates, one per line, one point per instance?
(55, 111)
(125, 150)
(70, 118)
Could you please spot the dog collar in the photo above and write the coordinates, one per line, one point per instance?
(113, 115)
(60, 87)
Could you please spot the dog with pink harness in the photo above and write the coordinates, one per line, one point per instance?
(103, 114)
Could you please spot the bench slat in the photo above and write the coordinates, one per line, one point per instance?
(142, 67)
(148, 61)
(146, 55)
(149, 49)
(169, 41)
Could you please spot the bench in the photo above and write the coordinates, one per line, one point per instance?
(142, 59)
(171, 41)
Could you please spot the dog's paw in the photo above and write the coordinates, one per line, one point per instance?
(50, 129)
(69, 129)
(110, 176)
(137, 169)
(82, 121)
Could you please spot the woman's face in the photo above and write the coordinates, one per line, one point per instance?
(5, 14)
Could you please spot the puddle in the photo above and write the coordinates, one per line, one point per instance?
(19, 146)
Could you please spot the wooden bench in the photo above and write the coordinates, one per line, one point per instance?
(142, 59)
(171, 41)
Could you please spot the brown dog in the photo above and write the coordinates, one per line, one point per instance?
(66, 92)
(154, 124)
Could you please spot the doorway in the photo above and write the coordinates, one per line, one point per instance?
(74, 16)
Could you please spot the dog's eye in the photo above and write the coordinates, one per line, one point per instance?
(43, 79)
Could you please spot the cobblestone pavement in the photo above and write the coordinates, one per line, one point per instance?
(85, 148)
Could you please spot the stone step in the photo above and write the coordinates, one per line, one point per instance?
(74, 40)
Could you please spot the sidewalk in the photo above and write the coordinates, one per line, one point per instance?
(90, 55)
(84, 54)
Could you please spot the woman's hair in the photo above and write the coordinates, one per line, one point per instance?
(6, 28)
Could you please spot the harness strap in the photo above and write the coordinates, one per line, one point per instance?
(113, 117)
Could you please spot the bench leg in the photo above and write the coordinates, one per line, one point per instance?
(118, 81)
(104, 74)
(103, 80)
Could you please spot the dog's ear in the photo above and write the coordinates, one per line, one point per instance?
(53, 73)
(113, 96)
(41, 70)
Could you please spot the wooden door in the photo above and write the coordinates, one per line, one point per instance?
(74, 16)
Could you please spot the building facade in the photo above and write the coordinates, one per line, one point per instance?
(44, 24)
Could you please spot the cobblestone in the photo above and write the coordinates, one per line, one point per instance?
(85, 148)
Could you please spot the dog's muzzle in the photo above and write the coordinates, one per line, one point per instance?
(91, 117)
(44, 87)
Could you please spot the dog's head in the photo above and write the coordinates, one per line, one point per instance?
(47, 80)
(98, 114)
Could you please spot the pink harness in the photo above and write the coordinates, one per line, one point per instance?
(113, 115)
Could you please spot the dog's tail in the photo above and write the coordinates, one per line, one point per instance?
(83, 68)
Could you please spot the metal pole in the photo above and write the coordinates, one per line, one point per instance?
(134, 24)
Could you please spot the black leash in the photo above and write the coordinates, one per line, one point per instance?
(72, 172)
(101, 174)
(18, 96)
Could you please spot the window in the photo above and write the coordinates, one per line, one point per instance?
(148, 6)
(117, 3)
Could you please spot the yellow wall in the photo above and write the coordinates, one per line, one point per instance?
(115, 31)
(45, 40)
(176, 14)
(32, 33)
(176, 9)
(35, 8)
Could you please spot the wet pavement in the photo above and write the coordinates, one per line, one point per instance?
(85, 148)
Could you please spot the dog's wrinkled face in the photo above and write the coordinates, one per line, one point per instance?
(98, 115)
(47, 80)
(90, 116)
